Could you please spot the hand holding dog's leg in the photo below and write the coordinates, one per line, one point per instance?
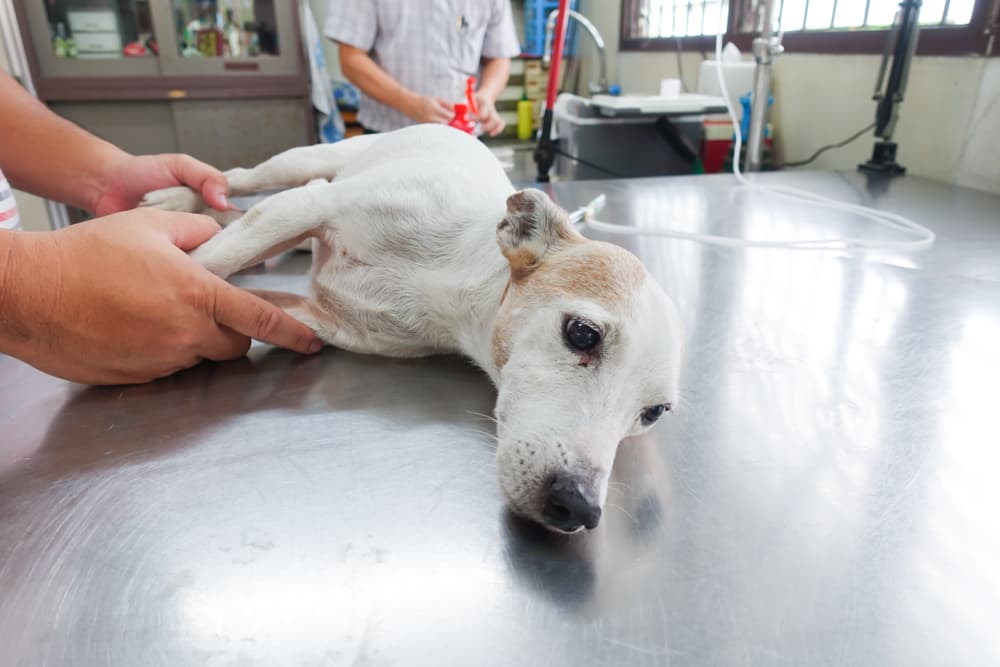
(125, 181)
(117, 300)
(291, 169)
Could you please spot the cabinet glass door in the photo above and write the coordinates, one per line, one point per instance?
(74, 38)
(231, 36)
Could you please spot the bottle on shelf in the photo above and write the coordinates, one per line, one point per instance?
(59, 41)
(233, 37)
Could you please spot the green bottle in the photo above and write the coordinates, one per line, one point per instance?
(59, 41)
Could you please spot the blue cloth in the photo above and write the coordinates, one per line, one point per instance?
(330, 125)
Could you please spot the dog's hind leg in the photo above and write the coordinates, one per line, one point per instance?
(309, 313)
(290, 169)
(299, 307)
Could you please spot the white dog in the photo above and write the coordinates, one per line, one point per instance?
(421, 246)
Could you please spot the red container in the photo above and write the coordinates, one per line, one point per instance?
(461, 120)
(716, 145)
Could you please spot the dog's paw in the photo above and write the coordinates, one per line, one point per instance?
(179, 198)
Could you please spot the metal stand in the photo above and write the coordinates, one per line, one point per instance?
(545, 154)
(901, 45)
(765, 48)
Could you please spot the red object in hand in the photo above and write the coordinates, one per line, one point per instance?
(470, 96)
(461, 121)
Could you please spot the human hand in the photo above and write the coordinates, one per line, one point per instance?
(127, 179)
(427, 109)
(491, 121)
(116, 300)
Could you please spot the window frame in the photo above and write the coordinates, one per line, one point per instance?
(977, 38)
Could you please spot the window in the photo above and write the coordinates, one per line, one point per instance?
(680, 18)
(878, 14)
(810, 26)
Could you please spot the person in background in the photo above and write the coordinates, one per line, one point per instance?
(116, 299)
(410, 58)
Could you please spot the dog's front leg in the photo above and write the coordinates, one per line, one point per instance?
(274, 225)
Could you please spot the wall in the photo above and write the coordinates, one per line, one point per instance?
(978, 166)
(948, 121)
(819, 102)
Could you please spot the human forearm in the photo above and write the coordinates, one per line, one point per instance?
(12, 335)
(47, 155)
(496, 72)
(26, 302)
(363, 72)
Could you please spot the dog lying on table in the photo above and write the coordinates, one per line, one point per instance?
(421, 246)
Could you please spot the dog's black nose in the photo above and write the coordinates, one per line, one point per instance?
(569, 504)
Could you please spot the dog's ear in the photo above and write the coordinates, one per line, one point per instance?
(534, 227)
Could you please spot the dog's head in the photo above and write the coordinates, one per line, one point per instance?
(588, 351)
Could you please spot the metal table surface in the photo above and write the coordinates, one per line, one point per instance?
(825, 494)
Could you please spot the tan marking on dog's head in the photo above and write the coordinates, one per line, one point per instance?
(501, 343)
(522, 261)
(591, 270)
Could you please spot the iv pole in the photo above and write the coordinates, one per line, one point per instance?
(765, 47)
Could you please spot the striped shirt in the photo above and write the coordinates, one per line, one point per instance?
(8, 207)
(428, 46)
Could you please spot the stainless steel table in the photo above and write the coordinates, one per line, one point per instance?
(826, 494)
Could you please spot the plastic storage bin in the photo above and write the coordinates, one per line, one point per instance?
(628, 147)
(536, 12)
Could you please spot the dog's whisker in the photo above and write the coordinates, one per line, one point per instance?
(623, 487)
(484, 416)
(622, 510)
(489, 436)
(482, 437)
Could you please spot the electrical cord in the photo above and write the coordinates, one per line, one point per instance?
(586, 163)
(812, 158)
(923, 237)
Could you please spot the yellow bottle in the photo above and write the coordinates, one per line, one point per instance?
(524, 113)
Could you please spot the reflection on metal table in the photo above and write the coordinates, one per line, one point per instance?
(825, 493)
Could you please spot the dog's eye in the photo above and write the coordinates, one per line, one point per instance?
(654, 412)
(581, 336)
